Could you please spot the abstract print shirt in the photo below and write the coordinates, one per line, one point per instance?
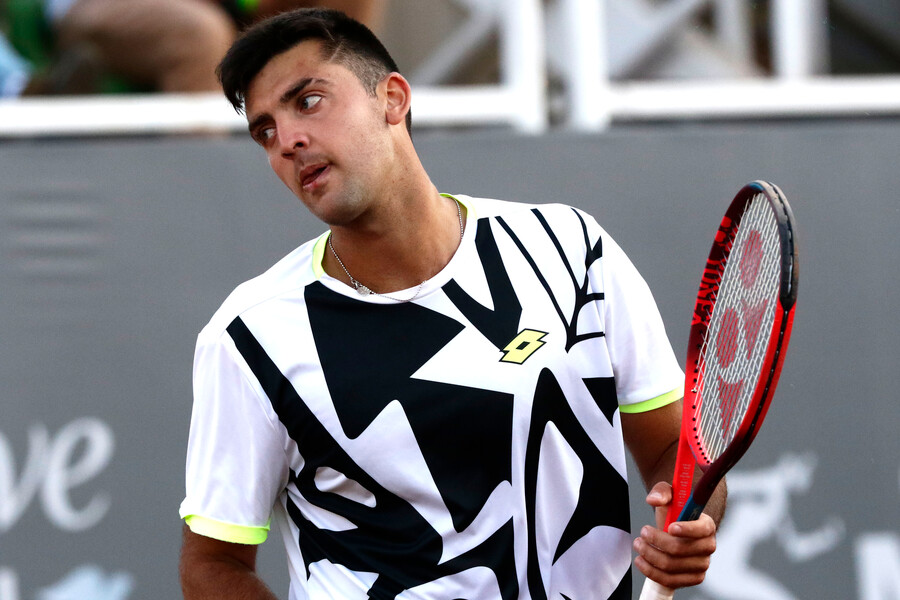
(466, 444)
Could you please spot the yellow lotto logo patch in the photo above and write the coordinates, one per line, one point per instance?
(523, 345)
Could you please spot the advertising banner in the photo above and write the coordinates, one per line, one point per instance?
(117, 251)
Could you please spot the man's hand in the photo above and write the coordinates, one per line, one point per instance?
(679, 557)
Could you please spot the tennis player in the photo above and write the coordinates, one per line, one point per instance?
(433, 398)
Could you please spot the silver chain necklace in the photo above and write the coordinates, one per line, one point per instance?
(364, 290)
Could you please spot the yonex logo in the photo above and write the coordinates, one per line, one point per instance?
(523, 345)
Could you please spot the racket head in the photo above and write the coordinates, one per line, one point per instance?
(738, 259)
(740, 330)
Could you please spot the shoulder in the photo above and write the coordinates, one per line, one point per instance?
(492, 207)
(559, 213)
(569, 226)
(293, 272)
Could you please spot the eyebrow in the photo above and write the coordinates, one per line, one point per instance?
(291, 93)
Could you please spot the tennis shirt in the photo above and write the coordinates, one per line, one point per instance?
(465, 445)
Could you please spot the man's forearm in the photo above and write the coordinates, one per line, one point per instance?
(212, 569)
(715, 508)
(664, 470)
(213, 579)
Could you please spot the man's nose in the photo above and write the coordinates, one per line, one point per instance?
(293, 137)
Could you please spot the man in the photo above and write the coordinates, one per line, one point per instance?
(430, 399)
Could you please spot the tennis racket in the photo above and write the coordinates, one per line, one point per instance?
(739, 334)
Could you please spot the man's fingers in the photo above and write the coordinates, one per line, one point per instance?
(686, 558)
(660, 494)
(680, 557)
(676, 562)
(680, 547)
(670, 580)
(702, 527)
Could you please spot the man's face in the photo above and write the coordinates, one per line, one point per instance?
(326, 138)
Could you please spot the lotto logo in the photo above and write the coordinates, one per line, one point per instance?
(523, 345)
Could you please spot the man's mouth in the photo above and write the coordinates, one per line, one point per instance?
(310, 175)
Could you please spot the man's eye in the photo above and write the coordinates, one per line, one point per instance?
(266, 133)
(307, 102)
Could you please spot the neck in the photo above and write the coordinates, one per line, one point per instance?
(407, 239)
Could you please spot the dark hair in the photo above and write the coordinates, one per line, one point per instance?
(344, 41)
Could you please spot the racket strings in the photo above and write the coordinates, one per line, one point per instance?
(734, 347)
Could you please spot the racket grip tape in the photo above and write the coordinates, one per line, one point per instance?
(655, 591)
(691, 511)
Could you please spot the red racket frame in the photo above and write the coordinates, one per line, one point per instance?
(689, 453)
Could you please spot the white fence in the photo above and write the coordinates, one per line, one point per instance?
(573, 40)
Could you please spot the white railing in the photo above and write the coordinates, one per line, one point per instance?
(113, 115)
(569, 37)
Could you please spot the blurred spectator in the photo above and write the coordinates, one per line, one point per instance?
(149, 45)
(75, 73)
(15, 71)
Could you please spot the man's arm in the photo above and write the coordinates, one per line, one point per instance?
(212, 569)
(679, 557)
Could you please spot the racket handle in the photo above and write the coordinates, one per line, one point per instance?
(655, 591)
(692, 510)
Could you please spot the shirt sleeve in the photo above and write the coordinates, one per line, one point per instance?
(236, 462)
(646, 371)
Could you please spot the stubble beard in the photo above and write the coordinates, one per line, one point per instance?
(339, 207)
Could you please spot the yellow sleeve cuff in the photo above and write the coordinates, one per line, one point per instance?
(653, 403)
(227, 532)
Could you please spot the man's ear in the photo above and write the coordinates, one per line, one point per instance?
(398, 96)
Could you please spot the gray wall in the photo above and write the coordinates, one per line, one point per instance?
(116, 252)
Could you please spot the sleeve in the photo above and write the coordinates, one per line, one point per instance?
(236, 462)
(646, 371)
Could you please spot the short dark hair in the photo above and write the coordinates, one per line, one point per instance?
(343, 40)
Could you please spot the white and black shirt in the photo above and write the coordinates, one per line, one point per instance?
(466, 445)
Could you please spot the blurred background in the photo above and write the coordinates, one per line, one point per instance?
(132, 202)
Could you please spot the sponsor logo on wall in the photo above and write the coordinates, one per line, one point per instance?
(52, 467)
(761, 505)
